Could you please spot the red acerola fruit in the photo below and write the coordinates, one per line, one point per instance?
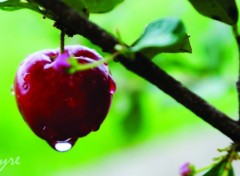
(60, 106)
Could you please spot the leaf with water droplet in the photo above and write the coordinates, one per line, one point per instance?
(163, 35)
(222, 10)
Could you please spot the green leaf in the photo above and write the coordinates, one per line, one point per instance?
(92, 6)
(79, 5)
(164, 35)
(222, 10)
(231, 172)
(223, 168)
(101, 6)
(11, 5)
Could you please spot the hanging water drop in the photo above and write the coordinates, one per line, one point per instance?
(63, 146)
(54, 139)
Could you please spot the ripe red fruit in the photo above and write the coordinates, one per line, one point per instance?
(58, 106)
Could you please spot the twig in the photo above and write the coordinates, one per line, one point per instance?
(62, 41)
(145, 68)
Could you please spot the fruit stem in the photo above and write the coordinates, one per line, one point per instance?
(62, 35)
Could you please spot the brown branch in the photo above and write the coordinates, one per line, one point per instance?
(73, 23)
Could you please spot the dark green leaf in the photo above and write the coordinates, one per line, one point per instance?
(101, 6)
(221, 10)
(231, 172)
(164, 35)
(79, 5)
(220, 169)
(11, 5)
(92, 6)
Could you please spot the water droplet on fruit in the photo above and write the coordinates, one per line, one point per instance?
(62, 146)
(26, 77)
(12, 90)
(57, 140)
(25, 86)
(112, 87)
(71, 102)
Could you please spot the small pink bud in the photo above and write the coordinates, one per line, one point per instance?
(187, 169)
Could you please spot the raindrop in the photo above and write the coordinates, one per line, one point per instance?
(26, 77)
(56, 140)
(63, 146)
(112, 87)
(25, 86)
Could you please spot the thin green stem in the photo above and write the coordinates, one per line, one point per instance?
(82, 67)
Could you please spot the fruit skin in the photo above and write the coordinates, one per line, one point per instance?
(59, 106)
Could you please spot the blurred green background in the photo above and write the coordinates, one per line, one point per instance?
(140, 113)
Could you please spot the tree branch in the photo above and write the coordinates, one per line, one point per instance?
(70, 21)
